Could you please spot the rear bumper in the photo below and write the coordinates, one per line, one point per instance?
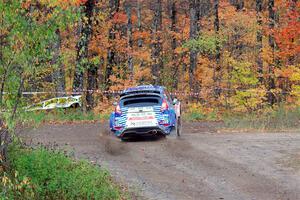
(143, 131)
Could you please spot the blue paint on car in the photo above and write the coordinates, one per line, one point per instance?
(143, 110)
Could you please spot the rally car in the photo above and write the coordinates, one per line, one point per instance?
(58, 102)
(145, 110)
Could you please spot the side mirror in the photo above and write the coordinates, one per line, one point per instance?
(175, 101)
(115, 103)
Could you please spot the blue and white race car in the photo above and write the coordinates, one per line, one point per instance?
(145, 110)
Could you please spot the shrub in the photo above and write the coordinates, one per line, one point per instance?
(280, 118)
(60, 115)
(53, 175)
(196, 112)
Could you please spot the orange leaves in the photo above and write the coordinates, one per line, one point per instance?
(284, 73)
(120, 18)
(141, 35)
(79, 2)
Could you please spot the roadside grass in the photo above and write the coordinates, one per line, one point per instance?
(278, 119)
(63, 116)
(197, 112)
(200, 116)
(50, 174)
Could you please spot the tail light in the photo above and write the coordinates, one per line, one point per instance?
(164, 105)
(118, 110)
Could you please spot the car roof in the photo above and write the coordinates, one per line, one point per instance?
(143, 89)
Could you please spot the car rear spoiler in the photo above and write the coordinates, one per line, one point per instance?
(132, 94)
(140, 92)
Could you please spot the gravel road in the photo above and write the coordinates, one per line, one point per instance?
(203, 164)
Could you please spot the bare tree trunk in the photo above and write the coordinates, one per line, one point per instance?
(58, 74)
(292, 8)
(239, 4)
(91, 85)
(130, 40)
(217, 70)
(259, 38)
(156, 54)
(4, 135)
(139, 18)
(19, 95)
(194, 30)
(113, 8)
(204, 8)
(83, 65)
(4, 76)
(271, 81)
(172, 13)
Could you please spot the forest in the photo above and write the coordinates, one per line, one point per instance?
(233, 55)
(225, 60)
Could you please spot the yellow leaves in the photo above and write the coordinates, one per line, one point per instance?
(248, 100)
(15, 184)
(267, 55)
(290, 72)
(180, 50)
(295, 94)
(295, 76)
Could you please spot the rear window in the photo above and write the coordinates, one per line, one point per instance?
(141, 101)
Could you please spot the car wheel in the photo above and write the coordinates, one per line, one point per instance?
(175, 132)
(179, 125)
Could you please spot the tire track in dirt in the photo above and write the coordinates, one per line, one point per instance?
(224, 175)
(172, 168)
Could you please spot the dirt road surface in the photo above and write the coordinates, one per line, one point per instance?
(203, 164)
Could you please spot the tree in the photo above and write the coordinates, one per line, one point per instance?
(29, 48)
(194, 7)
(156, 50)
(130, 40)
(217, 75)
(259, 38)
(239, 4)
(139, 20)
(271, 80)
(58, 74)
(83, 67)
(113, 9)
(172, 13)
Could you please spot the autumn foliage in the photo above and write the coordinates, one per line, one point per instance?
(247, 52)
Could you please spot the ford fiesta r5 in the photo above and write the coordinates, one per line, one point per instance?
(145, 110)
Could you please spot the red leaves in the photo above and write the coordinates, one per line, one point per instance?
(120, 18)
(288, 34)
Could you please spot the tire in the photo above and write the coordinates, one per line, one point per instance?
(75, 106)
(179, 125)
(175, 132)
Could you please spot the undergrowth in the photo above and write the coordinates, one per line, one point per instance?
(197, 112)
(281, 118)
(62, 116)
(49, 174)
(278, 118)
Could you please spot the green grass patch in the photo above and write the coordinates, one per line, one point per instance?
(200, 116)
(49, 174)
(61, 115)
(279, 119)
